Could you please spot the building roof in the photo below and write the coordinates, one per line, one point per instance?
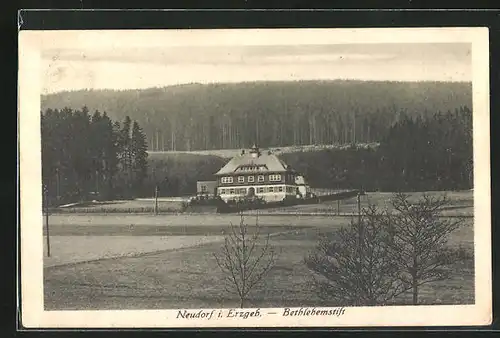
(254, 162)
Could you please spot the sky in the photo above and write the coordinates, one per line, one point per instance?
(123, 67)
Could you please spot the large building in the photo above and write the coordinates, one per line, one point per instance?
(264, 175)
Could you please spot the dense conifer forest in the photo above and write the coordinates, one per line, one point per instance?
(88, 156)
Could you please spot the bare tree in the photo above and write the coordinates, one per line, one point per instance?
(353, 265)
(419, 238)
(243, 259)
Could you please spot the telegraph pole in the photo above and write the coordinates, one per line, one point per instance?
(46, 202)
(155, 192)
(58, 189)
(156, 199)
(97, 181)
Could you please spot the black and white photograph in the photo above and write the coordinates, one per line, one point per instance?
(255, 177)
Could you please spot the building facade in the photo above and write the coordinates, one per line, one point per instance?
(208, 188)
(258, 174)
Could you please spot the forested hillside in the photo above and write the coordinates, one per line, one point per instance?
(271, 114)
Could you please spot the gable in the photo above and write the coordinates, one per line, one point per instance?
(246, 163)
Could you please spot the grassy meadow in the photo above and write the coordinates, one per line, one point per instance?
(189, 277)
(143, 261)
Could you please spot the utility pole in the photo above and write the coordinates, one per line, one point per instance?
(46, 202)
(58, 192)
(97, 181)
(155, 192)
(156, 199)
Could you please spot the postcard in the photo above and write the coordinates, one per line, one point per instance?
(254, 178)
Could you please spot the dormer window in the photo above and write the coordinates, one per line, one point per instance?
(252, 167)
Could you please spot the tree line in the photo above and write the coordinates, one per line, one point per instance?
(88, 156)
(228, 116)
(415, 154)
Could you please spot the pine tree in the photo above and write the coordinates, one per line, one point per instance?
(125, 156)
(138, 146)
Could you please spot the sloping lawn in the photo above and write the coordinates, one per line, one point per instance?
(190, 278)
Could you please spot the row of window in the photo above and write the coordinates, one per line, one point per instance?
(258, 190)
(251, 179)
(252, 168)
(275, 178)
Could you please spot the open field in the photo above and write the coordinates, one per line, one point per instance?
(229, 153)
(142, 205)
(101, 262)
(189, 278)
(461, 204)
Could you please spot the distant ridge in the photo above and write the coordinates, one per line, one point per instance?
(193, 84)
(276, 113)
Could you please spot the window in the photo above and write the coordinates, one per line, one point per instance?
(260, 190)
(222, 191)
(243, 191)
(275, 178)
(261, 178)
(241, 179)
(203, 188)
(231, 191)
(251, 179)
(270, 189)
(280, 189)
(227, 180)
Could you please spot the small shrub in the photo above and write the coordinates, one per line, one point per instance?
(243, 260)
(353, 265)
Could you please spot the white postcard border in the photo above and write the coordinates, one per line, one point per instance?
(32, 43)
